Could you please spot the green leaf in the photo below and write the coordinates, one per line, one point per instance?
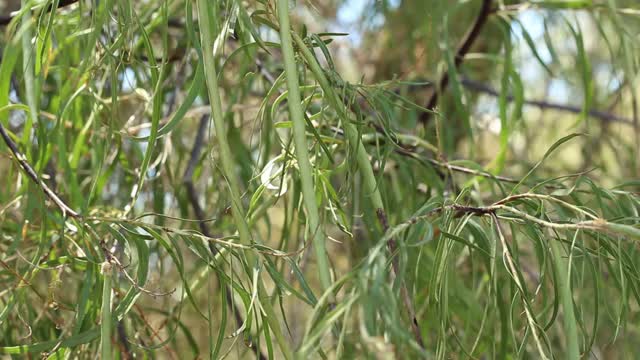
(548, 153)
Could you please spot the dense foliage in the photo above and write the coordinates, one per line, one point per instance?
(325, 179)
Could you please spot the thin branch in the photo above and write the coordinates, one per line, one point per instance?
(463, 49)
(22, 160)
(113, 260)
(407, 151)
(602, 115)
(154, 331)
(406, 145)
(125, 349)
(462, 169)
(187, 180)
(596, 224)
(506, 254)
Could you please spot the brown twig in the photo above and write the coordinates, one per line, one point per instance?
(22, 160)
(187, 179)
(594, 223)
(463, 49)
(409, 152)
(123, 342)
(602, 115)
(153, 330)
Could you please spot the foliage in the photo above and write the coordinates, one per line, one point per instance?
(211, 179)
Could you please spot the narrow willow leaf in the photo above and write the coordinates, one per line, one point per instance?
(546, 155)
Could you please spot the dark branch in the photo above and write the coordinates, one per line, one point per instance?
(125, 349)
(462, 51)
(187, 180)
(602, 115)
(22, 160)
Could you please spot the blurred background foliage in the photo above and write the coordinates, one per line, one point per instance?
(503, 220)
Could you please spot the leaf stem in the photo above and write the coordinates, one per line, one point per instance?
(299, 137)
(563, 269)
(105, 325)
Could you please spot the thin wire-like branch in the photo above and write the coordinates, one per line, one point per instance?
(187, 179)
(602, 115)
(409, 152)
(463, 49)
(596, 224)
(406, 145)
(111, 259)
(462, 169)
(26, 167)
(511, 267)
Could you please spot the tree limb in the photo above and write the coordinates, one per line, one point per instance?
(463, 49)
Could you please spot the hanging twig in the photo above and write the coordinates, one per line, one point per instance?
(463, 49)
(187, 179)
(602, 115)
(22, 160)
(513, 271)
(392, 246)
